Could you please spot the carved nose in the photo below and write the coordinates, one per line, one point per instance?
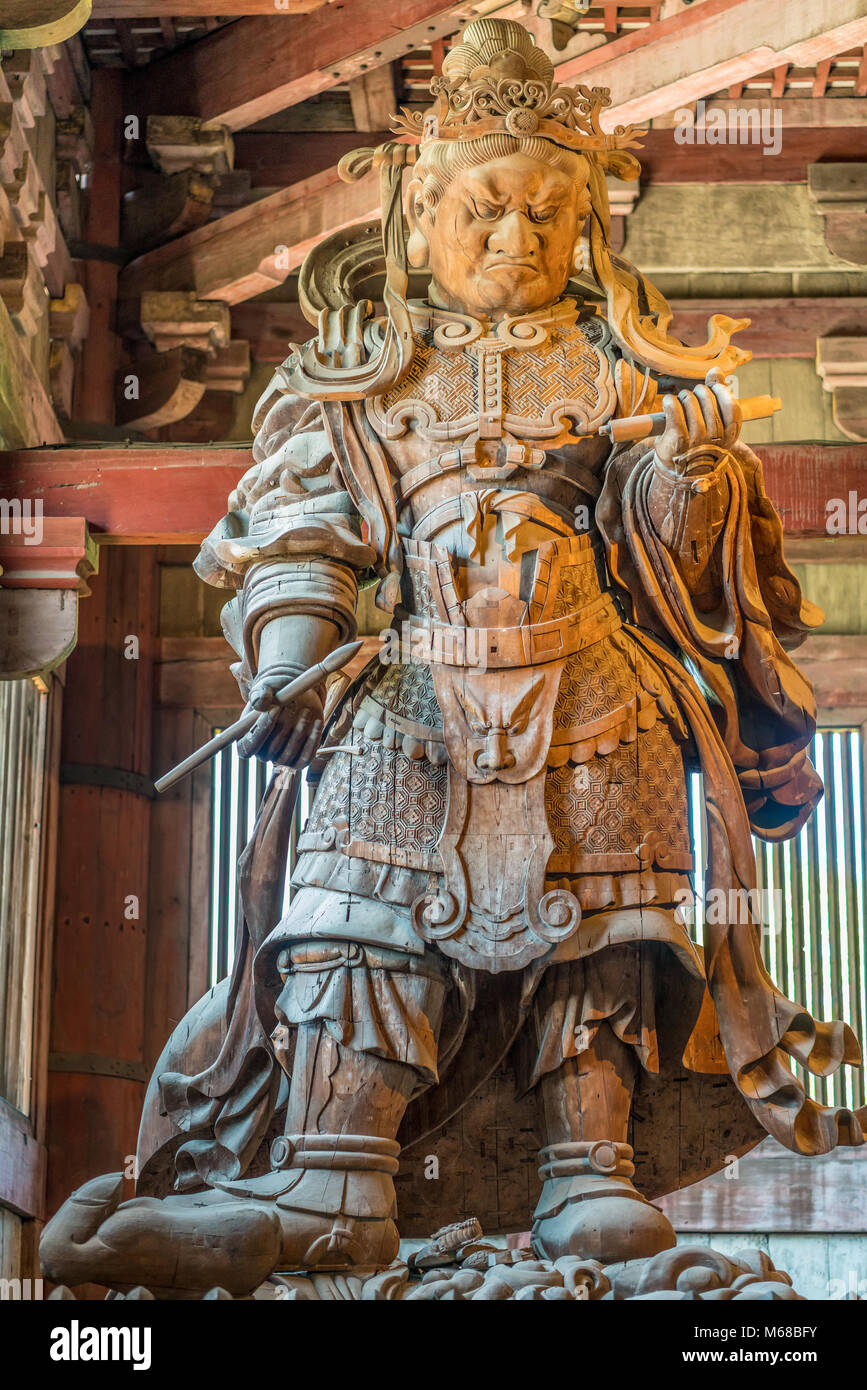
(495, 756)
(513, 236)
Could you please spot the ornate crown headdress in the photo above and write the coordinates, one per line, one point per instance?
(497, 79)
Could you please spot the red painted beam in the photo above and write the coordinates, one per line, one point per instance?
(145, 494)
(779, 327)
(173, 494)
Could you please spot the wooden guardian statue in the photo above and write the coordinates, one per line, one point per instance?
(488, 921)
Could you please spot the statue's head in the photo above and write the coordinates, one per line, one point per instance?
(501, 187)
(507, 168)
(497, 222)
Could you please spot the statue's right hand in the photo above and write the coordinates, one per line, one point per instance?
(284, 734)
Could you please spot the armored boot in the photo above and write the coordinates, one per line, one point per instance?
(590, 1208)
(333, 1195)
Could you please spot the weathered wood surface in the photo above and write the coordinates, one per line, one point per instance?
(255, 248)
(771, 1189)
(22, 1163)
(296, 58)
(27, 417)
(97, 1012)
(95, 397)
(664, 160)
(179, 873)
(707, 48)
(37, 23)
(140, 495)
(779, 327)
(836, 667)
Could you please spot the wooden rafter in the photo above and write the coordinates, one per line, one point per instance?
(709, 48)
(296, 57)
(255, 248)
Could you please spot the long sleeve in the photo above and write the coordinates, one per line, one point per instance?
(701, 557)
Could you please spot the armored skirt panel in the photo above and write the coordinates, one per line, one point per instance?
(498, 811)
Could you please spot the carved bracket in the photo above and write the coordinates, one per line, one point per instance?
(842, 365)
(840, 194)
(45, 563)
(186, 142)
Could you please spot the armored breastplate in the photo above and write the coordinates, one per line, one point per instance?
(484, 400)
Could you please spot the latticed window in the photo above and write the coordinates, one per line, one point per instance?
(812, 903)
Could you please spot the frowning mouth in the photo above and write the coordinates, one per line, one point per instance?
(510, 265)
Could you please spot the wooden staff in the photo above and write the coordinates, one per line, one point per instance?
(634, 427)
(290, 692)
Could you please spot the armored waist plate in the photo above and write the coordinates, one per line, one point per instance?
(319, 914)
(531, 644)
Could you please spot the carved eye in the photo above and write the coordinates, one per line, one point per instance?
(543, 214)
(486, 212)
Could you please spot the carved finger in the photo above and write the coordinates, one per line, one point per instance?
(694, 418)
(713, 424)
(296, 740)
(730, 413)
(262, 693)
(311, 744)
(255, 739)
(673, 440)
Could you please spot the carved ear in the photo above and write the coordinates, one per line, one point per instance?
(417, 248)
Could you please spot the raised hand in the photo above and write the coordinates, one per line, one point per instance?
(701, 426)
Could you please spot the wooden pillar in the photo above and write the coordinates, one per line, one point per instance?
(97, 1065)
(94, 397)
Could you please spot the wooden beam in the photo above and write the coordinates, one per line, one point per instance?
(215, 9)
(269, 328)
(143, 495)
(836, 667)
(40, 23)
(96, 1066)
(256, 67)
(708, 48)
(27, 416)
(252, 250)
(780, 327)
(94, 401)
(173, 494)
(277, 159)
(167, 386)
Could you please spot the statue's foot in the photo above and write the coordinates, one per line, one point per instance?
(331, 1207)
(190, 1243)
(334, 1198)
(589, 1207)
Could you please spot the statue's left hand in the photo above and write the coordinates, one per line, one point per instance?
(285, 734)
(701, 426)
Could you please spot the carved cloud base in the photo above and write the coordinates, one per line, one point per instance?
(479, 1270)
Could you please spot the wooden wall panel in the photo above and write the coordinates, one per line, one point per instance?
(98, 1015)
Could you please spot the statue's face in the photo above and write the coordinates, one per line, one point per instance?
(503, 237)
